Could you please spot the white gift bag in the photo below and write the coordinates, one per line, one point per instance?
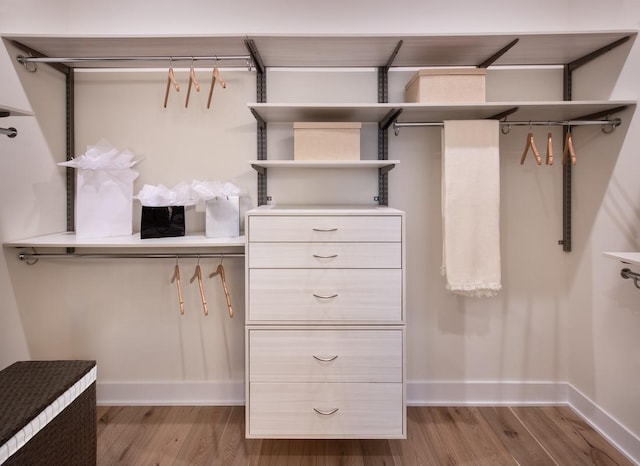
(104, 203)
(104, 191)
(222, 217)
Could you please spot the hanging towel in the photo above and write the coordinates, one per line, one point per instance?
(471, 207)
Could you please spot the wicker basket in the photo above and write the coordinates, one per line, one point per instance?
(31, 393)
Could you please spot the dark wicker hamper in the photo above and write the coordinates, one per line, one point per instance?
(27, 389)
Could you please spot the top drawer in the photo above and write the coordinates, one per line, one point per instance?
(325, 228)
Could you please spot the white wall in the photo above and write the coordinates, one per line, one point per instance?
(562, 317)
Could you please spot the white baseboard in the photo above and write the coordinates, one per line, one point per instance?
(605, 424)
(170, 393)
(485, 393)
(418, 394)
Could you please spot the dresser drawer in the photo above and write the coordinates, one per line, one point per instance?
(295, 410)
(325, 295)
(318, 355)
(325, 228)
(325, 255)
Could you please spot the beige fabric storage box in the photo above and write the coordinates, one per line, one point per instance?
(447, 85)
(326, 141)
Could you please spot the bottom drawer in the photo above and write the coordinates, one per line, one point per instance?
(326, 410)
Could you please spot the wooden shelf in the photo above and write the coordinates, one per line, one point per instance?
(418, 50)
(632, 258)
(323, 163)
(69, 240)
(6, 111)
(374, 113)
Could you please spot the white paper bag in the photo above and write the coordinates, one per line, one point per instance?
(222, 217)
(104, 203)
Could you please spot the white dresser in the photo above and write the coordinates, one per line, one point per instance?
(325, 328)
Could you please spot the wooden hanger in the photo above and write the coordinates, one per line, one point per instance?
(215, 79)
(220, 271)
(171, 79)
(568, 149)
(531, 145)
(198, 274)
(176, 278)
(194, 81)
(549, 158)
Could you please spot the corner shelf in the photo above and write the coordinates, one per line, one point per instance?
(632, 258)
(6, 111)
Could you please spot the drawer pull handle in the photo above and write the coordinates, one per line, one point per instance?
(327, 230)
(325, 297)
(318, 256)
(329, 359)
(326, 413)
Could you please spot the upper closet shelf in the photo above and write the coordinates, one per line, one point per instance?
(335, 51)
(375, 113)
(6, 111)
(69, 240)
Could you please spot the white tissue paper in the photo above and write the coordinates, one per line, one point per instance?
(222, 211)
(161, 196)
(104, 190)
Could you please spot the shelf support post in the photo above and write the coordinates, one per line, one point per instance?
(70, 172)
(383, 133)
(261, 125)
(567, 178)
(566, 172)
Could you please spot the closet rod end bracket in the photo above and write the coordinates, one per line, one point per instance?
(30, 66)
(609, 126)
(11, 132)
(627, 273)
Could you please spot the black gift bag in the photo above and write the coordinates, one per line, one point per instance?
(161, 222)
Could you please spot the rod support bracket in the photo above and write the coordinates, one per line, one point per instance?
(627, 273)
(30, 66)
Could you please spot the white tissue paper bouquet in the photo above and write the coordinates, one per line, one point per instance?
(222, 207)
(104, 190)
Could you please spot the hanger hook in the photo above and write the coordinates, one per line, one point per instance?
(505, 128)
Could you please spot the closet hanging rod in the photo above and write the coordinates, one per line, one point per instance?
(614, 123)
(33, 257)
(24, 60)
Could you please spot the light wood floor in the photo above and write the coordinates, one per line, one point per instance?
(436, 436)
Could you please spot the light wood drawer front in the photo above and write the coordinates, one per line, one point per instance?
(360, 410)
(325, 228)
(325, 255)
(317, 355)
(325, 294)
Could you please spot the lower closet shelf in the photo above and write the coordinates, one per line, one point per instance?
(69, 240)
